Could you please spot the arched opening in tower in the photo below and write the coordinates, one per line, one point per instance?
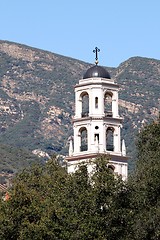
(111, 168)
(108, 104)
(110, 139)
(84, 139)
(85, 104)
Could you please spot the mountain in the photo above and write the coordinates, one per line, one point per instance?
(37, 98)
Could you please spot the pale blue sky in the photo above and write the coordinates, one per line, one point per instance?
(120, 28)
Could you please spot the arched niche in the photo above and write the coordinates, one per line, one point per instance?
(110, 139)
(111, 168)
(84, 139)
(108, 103)
(84, 98)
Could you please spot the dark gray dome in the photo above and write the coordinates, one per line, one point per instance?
(96, 71)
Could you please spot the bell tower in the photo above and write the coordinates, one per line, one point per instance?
(97, 124)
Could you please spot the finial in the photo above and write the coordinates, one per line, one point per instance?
(96, 52)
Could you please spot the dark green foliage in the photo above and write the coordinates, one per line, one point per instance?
(13, 159)
(145, 185)
(30, 213)
(23, 132)
(48, 203)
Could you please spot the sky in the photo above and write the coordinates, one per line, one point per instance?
(119, 28)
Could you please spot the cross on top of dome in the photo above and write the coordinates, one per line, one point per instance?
(96, 71)
(96, 50)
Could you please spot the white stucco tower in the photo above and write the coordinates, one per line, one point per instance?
(97, 124)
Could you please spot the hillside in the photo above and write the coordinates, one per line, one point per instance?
(37, 97)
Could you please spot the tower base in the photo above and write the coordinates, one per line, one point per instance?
(117, 163)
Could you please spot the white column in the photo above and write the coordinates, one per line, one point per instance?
(115, 104)
(70, 147)
(123, 148)
(117, 146)
(101, 102)
(89, 136)
(78, 105)
(104, 136)
(76, 140)
(91, 102)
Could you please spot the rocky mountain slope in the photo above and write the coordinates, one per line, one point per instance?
(37, 98)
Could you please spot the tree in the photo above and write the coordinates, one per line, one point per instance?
(111, 199)
(48, 203)
(145, 185)
(32, 209)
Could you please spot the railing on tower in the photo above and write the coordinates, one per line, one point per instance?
(108, 114)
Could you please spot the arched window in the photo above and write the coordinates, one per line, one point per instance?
(85, 104)
(111, 168)
(108, 104)
(110, 139)
(84, 139)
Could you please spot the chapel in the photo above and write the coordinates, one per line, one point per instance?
(97, 124)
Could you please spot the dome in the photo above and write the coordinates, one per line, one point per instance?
(96, 71)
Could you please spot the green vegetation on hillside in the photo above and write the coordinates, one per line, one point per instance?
(13, 159)
(33, 82)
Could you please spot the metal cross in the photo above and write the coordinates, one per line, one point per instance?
(96, 52)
